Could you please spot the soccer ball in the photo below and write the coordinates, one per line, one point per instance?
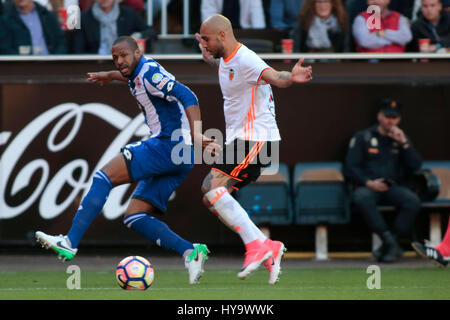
(135, 273)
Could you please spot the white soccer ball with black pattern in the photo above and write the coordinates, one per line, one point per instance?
(135, 273)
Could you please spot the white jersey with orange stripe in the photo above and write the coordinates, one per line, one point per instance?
(249, 106)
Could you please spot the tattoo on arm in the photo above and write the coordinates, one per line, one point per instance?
(229, 183)
(285, 76)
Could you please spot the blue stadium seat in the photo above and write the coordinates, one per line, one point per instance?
(268, 200)
(320, 193)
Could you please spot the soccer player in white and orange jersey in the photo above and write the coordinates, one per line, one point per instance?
(251, 128)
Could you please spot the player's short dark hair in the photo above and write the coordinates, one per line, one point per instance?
(129, 40)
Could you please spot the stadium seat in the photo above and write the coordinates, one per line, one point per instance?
(258, 45)
(321, 198)
(268, 200)
(272, 35)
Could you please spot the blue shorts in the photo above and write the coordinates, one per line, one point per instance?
(160, 165)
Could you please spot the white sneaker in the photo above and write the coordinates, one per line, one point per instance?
(59, 244)
(194, 262)
(273, 264)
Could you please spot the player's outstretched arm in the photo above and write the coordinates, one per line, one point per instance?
(104, 77)
(284, 79)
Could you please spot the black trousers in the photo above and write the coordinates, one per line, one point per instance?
(406, 201)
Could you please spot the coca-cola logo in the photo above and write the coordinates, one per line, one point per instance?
(48, 188)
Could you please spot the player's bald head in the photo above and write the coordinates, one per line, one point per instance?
(216, 36)
(217, 23)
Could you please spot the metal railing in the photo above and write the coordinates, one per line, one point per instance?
(164, 30)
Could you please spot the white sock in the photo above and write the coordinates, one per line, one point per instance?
(232, 214)
(213, 210)
(261, 236)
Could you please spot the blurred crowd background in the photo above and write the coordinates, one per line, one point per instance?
(167, 26)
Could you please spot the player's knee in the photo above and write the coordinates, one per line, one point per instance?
(101, 176)
(130, 218)
(363, 196)
(204, 189)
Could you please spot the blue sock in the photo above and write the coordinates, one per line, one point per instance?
(157, 232)
(90, 207)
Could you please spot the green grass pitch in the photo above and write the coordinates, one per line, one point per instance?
(295, 284)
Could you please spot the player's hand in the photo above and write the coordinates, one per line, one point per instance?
(301, 74)
(99, 77)
(397, 134)
(207, 57)
(377, 185)
(210, 146)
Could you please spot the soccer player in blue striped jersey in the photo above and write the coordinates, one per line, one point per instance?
(168, 106)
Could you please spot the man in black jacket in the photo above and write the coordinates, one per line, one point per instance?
(377, 163)
(434, 24)
(29, 28)
(105, 22)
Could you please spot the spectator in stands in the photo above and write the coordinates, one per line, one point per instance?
(415, 9)
(243, 14)
(388, 33)
(283, 13)
(266, 10)
(49, 5)
(29, 28)
(377, 164)
(408, 8)
(322, 27)
(138, 5)
(434, 24)
(105, 22)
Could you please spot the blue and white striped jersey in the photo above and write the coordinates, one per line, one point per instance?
(162, 99)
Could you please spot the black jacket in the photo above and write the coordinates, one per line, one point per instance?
(339, 40)
(421, 30)
(14, 33)
(371, 156)
(87, 39)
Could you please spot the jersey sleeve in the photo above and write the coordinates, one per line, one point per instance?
(252, 67)
(162, 84)
(158, 81)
